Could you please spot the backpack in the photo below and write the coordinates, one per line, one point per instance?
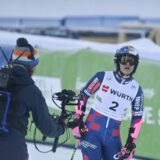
(5, 97)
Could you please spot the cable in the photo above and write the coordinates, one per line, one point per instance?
(65, 96)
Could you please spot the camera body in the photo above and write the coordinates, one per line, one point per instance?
(5, 74)
(66, 96)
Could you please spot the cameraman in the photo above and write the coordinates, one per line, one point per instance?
(26, 98)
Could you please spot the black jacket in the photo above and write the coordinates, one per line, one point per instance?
(28, 99)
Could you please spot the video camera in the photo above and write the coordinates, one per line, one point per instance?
(66, 96)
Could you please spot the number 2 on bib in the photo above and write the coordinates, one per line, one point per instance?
(114, 106)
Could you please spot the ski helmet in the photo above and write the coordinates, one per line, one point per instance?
(126, 51)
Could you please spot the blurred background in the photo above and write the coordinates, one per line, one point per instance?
(105, 21)
(77, 38)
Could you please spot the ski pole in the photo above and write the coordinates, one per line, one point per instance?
(75, 148)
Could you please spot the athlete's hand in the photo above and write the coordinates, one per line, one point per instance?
(127, 152)
(78, 128)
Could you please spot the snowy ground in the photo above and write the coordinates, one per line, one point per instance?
(62, 153)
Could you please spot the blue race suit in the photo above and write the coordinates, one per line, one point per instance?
(113, 96)
(28, 99)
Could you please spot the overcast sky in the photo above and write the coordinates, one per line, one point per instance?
(61, 8)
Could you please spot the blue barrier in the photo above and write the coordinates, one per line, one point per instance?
(83, 21)
(98, 21)
(30, 22)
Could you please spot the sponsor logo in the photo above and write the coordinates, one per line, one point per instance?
(86, 144)
(95, 87)
(138, 106)
(99, 99)
(105, 88)
(137, 113)
(86, 92)
(137, 103)
(90, 87)
(121, 95)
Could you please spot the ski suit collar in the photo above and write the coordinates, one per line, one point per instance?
(119, 78)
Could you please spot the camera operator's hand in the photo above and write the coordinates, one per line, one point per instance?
(61, 122)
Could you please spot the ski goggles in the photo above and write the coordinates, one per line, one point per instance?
(127, 60)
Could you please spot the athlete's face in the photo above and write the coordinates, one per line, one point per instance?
(127, 64)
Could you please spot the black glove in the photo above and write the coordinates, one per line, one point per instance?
(62, 123)
(76, 122)
(78, 128)
(127, 152)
